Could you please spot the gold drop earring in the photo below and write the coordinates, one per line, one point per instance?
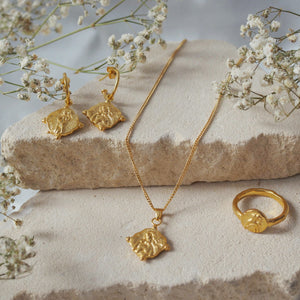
(105, 115)
(63, 121)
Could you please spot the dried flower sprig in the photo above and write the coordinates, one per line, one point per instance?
(8, 191)
(21, 23)
(13, 254)
(282, 66)
(139, 44)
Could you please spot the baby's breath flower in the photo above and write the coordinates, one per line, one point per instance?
(5, 46)
(271, 100)
(297, 69)
(26, 62)
(2, 161)
(23, 96)
(42, 66)
(21, 50)
(243, 30)
(58, 28)
(58, 86)
(282, 67)
(111, 60)
(292, 38)
(52, 21)
(80, 20)
(64, 11)
(274, 25)
(48, 81)
(162, 43)
(42, 97)
(127, 38)
(288, 83)
(139, 40)
(120, 52)
(13, 254)
(105, 2)
(100, 11)
(230, 63)
(29, 42)
(113, 43)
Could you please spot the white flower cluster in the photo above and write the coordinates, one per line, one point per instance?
(130, 50)
(282, 67)
(8, 189)
(22, 21)
(14, 254)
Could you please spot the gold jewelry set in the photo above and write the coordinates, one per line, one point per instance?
(149, 242)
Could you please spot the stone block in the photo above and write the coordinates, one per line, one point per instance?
(82, 252)
(238, 145)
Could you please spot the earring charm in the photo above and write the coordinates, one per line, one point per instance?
(105, 115)
(63, 121)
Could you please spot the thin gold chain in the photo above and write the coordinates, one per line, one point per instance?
(194, 146)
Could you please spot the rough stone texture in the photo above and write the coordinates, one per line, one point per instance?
(239, 145)
(82, 252)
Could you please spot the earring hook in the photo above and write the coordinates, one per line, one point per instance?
(65, 81)
(112, 73)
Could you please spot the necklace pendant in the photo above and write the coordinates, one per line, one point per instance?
(148, 243)
(104, 115)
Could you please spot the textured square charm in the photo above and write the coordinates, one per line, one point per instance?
(104, 115)
(148, 243)
(62, 122)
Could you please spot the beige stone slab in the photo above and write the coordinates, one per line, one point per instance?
(82, 252)
(238, 146)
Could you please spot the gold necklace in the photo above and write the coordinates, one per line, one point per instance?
(149, 242)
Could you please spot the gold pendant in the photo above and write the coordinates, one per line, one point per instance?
(104, 115)
(63, 121)
(148, 243)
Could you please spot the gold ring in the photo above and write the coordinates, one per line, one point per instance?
(253, 219)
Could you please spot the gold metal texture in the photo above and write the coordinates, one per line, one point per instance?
(105, 115)
(253, 219)
(64, 121)
(148, 243)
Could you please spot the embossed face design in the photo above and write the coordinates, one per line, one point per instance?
(104, 115)
(254, 221)
(148, 243)
(62, 122)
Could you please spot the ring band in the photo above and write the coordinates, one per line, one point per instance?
(253, 219)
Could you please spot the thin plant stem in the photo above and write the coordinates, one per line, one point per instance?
(12, 83)
(285, 11)
(7, 216)
(110, 10)
(44, 22)
(115, 21)
(73, 69)
(139, 7)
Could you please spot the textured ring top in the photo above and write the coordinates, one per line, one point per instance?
(253, 219)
